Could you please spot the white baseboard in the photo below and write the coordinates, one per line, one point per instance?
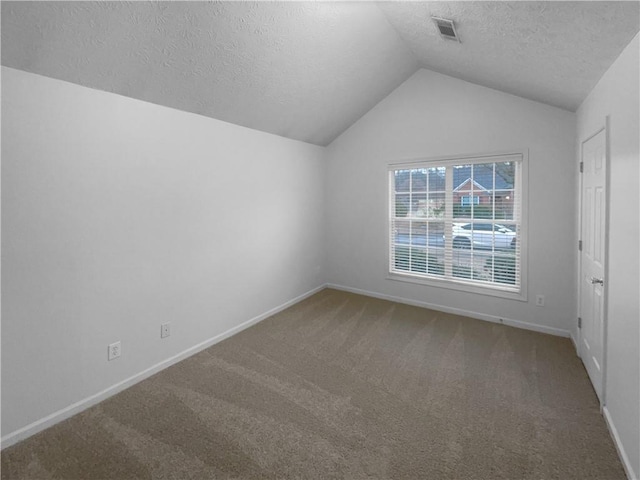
(631, 475)
(457, 311)
(575, 344)
(67, 412)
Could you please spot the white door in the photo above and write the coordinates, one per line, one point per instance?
(592, 258)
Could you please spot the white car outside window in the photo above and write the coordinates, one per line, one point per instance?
(483, 235)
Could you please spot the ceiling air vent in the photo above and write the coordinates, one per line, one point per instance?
(446, 28)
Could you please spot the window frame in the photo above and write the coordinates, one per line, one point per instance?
(522, 183)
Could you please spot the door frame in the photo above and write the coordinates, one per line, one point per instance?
(605, 300)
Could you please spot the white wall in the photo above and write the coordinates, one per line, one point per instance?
(119, 215)
(433, 115)
(617, 95)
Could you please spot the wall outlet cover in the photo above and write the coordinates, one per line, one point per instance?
(114, 351)
(165, 330)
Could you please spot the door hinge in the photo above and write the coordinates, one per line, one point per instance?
(581, 167)
(579, 322)
(580, 245)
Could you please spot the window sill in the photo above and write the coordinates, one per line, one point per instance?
(460, 286)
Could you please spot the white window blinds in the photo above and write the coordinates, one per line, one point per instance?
(458, 221)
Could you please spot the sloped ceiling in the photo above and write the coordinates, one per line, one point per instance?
(551, 52)
(308, 70)
(303, 70)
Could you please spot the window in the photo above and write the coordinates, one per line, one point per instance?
(468, 200)
(459, 223)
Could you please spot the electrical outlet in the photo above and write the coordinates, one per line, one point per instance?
(165, 330)
(114, 350)
(540, 300)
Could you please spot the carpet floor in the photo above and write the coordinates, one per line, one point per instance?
(344, 386)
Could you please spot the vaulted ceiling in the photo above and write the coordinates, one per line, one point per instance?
(308, 70)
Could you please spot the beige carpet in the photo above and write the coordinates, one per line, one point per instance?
(344, 386)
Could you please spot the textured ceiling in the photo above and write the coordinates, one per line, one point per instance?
(552, 52)
(301, 70)
(308, 70)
